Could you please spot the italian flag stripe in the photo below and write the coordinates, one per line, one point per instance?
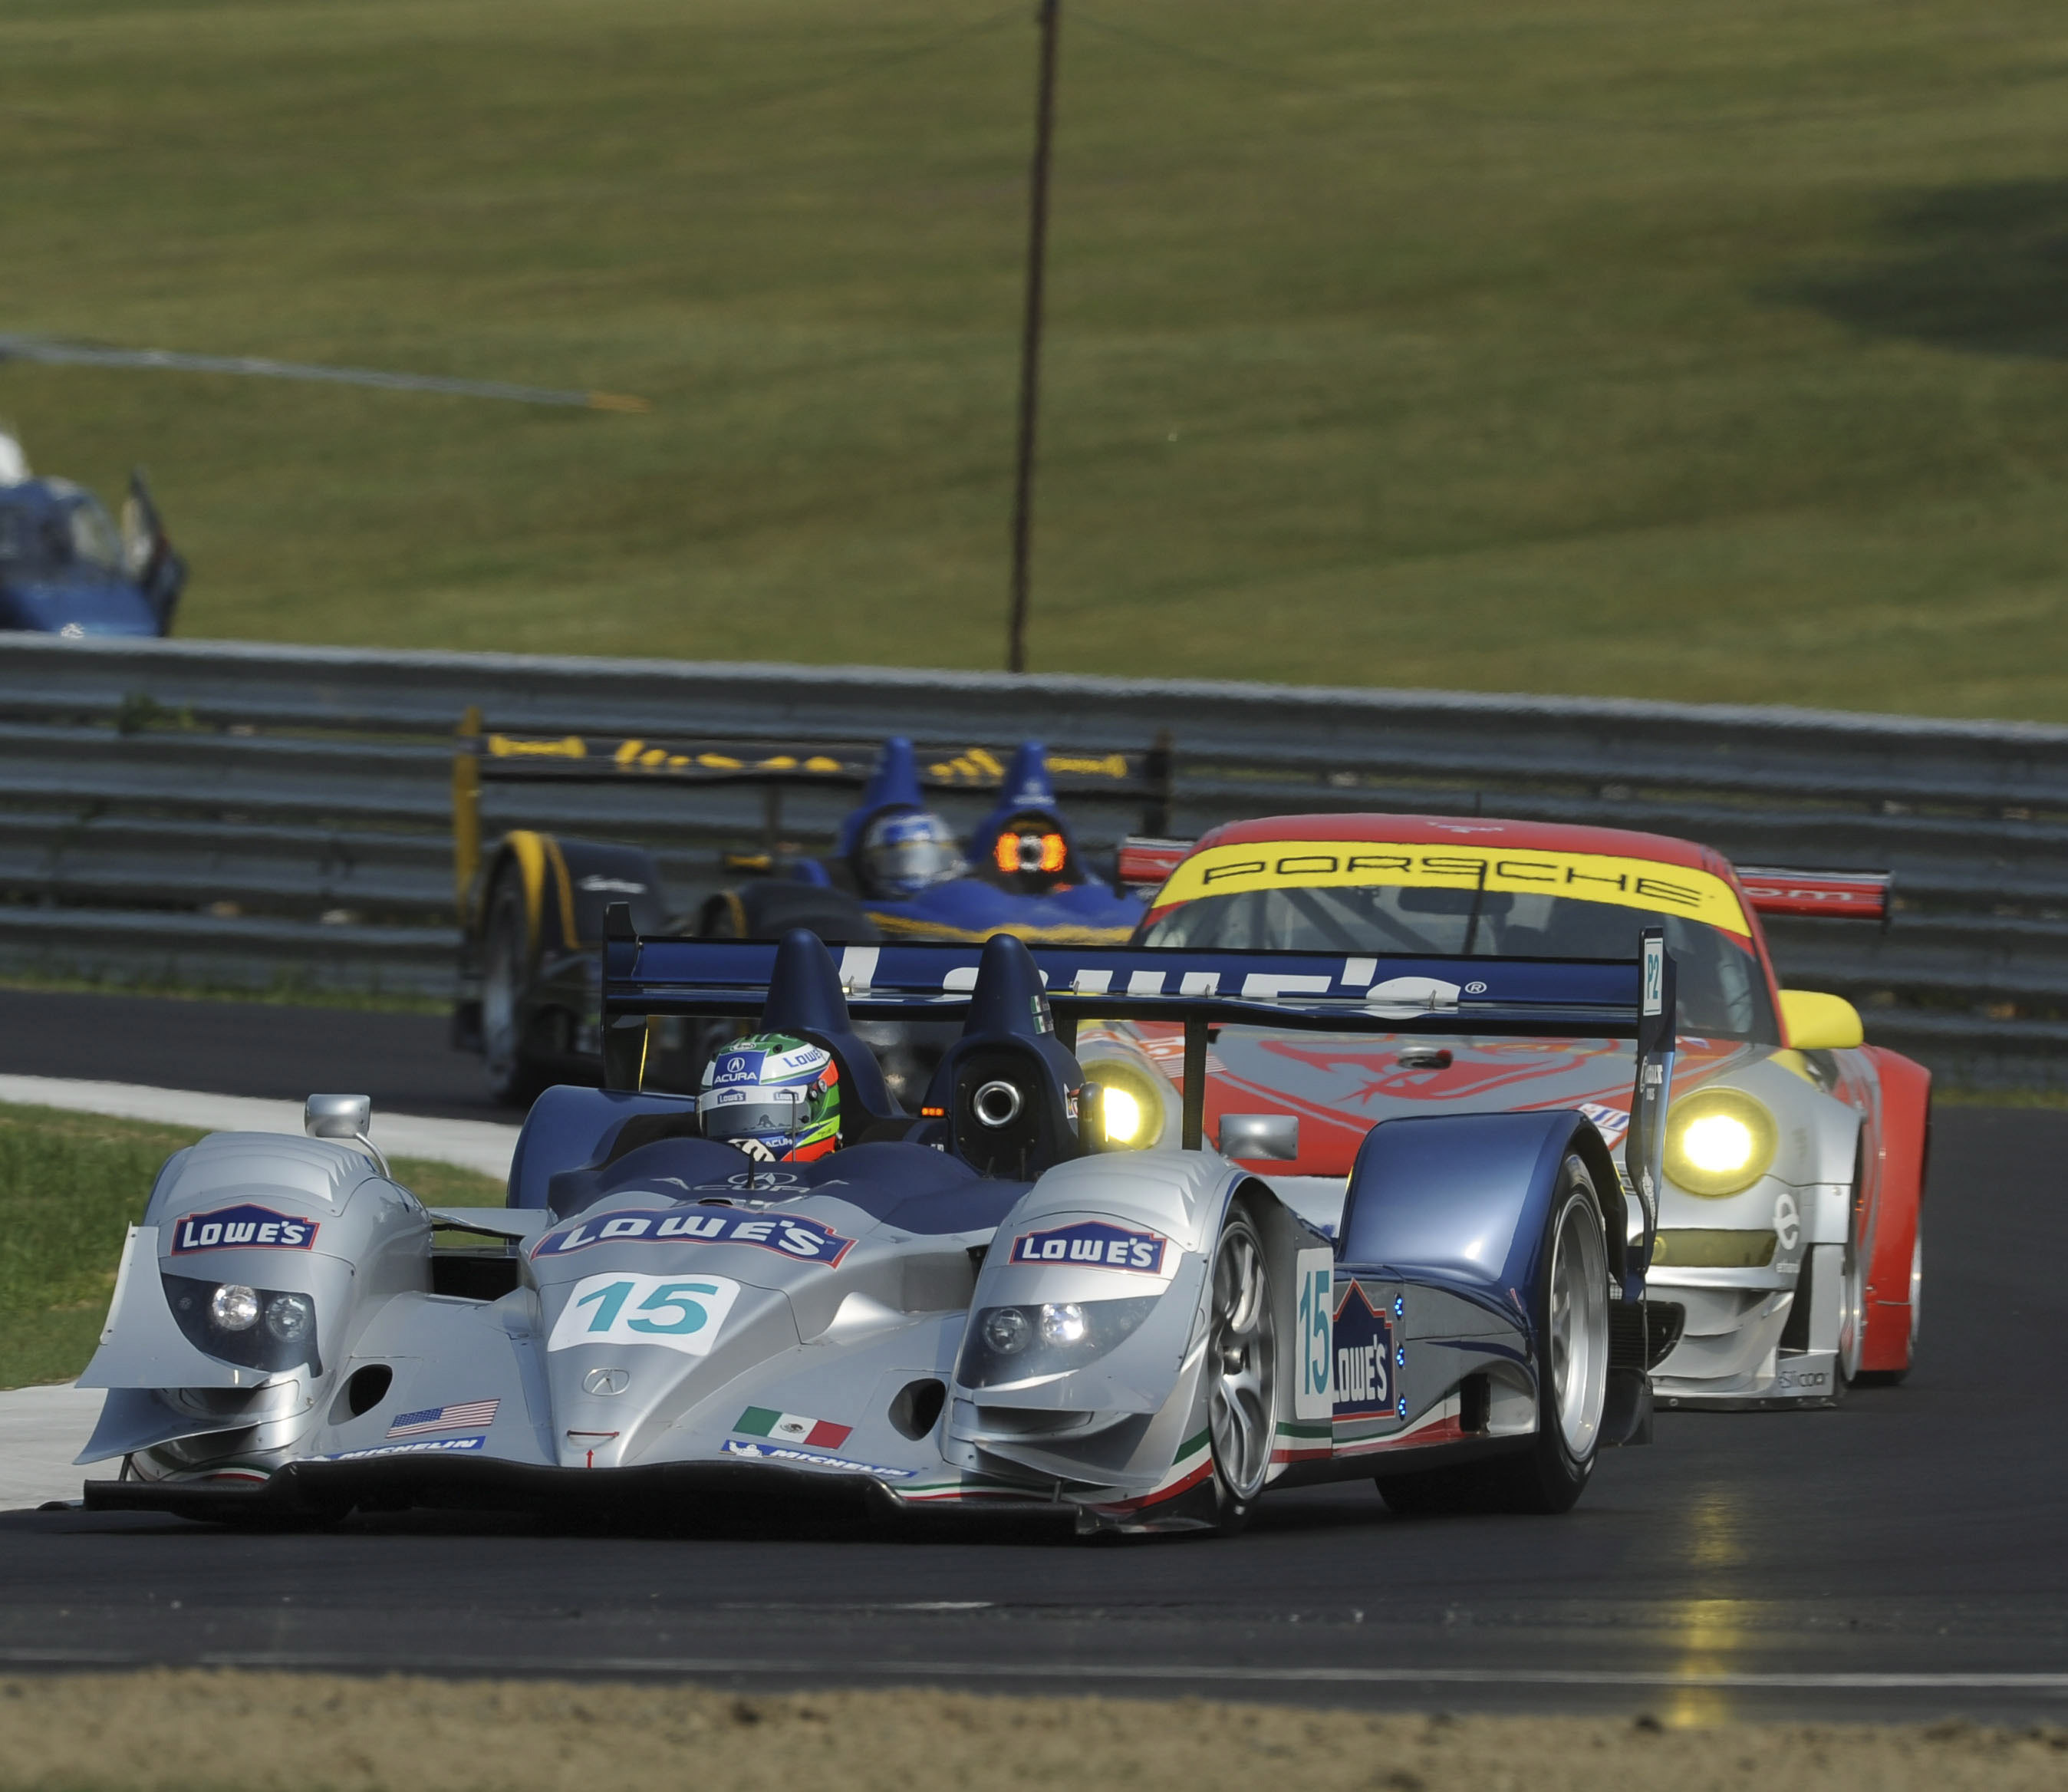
(791, 1427)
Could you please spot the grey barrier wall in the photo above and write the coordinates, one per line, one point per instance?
(234, 814)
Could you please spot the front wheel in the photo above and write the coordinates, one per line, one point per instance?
(1570, 1307)
(1241, 1372)
(506, 974)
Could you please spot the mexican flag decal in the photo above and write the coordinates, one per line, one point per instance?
(791, 1427)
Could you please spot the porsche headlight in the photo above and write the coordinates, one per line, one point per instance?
(1719, 1141)
(1130, 1112)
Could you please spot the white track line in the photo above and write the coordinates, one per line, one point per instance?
(482, 1144)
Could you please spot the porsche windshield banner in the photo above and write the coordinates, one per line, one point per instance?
(1582, 877)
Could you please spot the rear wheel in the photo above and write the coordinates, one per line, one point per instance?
(506, 970)
(1241, 1371)
(1570, 1307)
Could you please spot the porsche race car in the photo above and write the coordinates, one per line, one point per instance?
(1790, 1220)
(978, 1306)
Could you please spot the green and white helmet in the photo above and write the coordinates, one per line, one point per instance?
(776, 1097)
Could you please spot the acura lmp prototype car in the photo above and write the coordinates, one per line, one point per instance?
(66, 569)
(785, 1288)
(1794, 1152)
(532, 904)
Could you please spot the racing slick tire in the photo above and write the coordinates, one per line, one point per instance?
(507, 966)
(1570, 1307)
(1241, 1371)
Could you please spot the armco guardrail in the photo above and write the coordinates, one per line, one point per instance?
(235, 813)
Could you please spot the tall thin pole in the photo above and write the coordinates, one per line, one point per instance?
(1029, 337)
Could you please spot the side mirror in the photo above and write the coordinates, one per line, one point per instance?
(1259, 1135)
(338, 1116)
(1815, 1023)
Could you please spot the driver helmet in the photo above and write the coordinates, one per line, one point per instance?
(906, 852)
(773, 1096)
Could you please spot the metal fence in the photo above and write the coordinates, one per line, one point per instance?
(230, 814)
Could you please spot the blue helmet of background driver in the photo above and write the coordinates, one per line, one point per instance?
(897, 845)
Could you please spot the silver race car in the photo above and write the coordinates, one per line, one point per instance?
(782, 1287)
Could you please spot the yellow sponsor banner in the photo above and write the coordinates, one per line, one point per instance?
(1338, 864)
(510, 747)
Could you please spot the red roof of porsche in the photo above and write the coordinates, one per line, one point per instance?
(1430, 830)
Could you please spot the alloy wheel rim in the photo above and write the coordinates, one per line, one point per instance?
(1916, 1281)
(1578, 1326)
(1852, 1313)
(1239, 1360)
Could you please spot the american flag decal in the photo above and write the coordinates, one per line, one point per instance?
(464, 1416)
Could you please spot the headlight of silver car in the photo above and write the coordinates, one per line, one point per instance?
(1023, 1343)
(256, 1328)
(1719, 1141)
(1130, 1115)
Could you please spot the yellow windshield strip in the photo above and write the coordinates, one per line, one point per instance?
(1582, 877)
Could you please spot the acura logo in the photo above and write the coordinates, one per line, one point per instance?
(606, 1381)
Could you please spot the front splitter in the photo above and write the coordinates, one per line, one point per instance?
(319, 1491)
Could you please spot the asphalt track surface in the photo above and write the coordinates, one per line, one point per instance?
(1905, 1555)
(276, 1052)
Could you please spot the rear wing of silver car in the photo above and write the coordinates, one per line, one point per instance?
(1631, 998)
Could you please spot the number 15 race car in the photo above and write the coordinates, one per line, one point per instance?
(783, 1286)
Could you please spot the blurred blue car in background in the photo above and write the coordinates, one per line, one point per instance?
(66, 569)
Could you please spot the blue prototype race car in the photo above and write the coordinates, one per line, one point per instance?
(532, 902)
(65, 569)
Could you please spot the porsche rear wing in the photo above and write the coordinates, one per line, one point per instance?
(1820, 895)
(1145, 862)
(1629, 998)
(484, 756)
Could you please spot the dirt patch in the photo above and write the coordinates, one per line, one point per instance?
(289, 1733)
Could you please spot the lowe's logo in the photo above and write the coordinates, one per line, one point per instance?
(242, 1228)
(1095, 1245)
(801, 1240)
(1364, 1356)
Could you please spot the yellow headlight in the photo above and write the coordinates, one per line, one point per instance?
(1719, 1141)
(1132, 1118)
(1123, 1117)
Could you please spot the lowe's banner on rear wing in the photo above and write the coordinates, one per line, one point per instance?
(1354, 992)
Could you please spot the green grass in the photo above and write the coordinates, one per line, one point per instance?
(70, 1184)
(1583, 345)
